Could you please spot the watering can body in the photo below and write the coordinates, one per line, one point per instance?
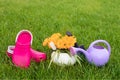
(97, 55)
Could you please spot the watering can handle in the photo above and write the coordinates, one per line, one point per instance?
(101, 41)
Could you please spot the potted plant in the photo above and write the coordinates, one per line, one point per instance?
(60, 46)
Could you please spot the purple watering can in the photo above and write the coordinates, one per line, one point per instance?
(95, 54)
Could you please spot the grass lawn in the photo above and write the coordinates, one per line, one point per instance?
(88, 20)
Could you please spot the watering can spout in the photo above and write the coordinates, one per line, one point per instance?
(74, 51)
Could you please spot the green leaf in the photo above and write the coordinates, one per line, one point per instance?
(78, 59)
(50, 63)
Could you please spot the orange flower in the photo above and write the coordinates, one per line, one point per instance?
(56, 35)
(45, 42)
(60, 42)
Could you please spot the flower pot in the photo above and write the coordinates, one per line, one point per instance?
(62, 59)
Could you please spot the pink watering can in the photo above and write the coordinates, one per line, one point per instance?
(95, 54)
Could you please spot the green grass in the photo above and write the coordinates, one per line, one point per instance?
(88, 20)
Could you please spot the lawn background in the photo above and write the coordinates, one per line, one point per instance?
(88, 20)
